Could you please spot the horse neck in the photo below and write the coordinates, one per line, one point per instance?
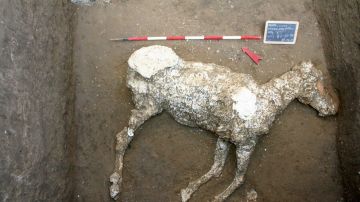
(284, 89)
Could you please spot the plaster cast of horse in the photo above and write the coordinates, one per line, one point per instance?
(212, 97)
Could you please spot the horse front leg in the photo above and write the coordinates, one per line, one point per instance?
(221, 152)
(123, 139)
(243, 153)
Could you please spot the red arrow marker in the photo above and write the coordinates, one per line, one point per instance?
(252, 55)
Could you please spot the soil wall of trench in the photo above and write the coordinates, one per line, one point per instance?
(37, 95)
(339, 21)
(36, 100)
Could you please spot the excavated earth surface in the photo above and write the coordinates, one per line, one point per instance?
(63, 98)
(297, 161)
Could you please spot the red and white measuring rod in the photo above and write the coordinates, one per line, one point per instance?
(208, 37)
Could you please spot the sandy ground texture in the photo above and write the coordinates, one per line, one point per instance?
(296, 162)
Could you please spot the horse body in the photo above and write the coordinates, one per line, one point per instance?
(214, 98)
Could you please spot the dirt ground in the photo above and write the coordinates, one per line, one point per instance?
(297, 161)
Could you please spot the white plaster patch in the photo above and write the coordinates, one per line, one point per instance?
(251, 195)
(244, 103)
(149, 60)
(222, 145)
(130, 132)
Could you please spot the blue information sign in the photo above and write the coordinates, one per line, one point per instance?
(281, 32)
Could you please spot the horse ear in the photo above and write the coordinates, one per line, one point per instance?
(305, 66)
(309, 71)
